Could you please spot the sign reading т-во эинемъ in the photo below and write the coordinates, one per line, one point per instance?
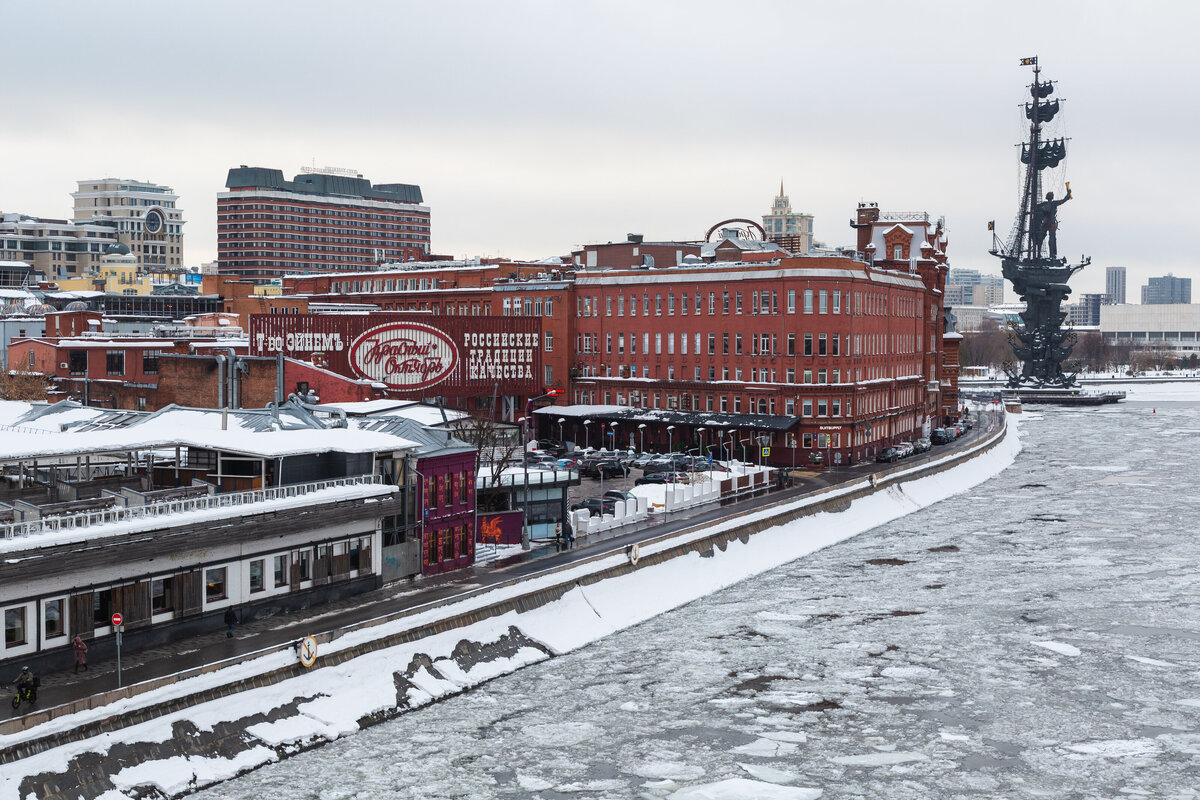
(460, 355)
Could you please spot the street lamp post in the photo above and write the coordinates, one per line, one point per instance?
(560, 431)
(700, 436)
(670, 433)
(587, 441)
(642, 436)
(525, 489)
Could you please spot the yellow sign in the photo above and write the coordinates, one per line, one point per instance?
(308, 651)
(766, 452)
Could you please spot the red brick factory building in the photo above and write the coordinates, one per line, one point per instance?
(840, 355)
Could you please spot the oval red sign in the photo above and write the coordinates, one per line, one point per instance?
(404, 355)
(116, 619)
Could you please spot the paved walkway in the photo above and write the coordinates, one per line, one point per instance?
(270, 633)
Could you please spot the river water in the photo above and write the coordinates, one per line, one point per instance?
(1036, 637)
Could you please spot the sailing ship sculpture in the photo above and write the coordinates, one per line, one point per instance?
(1030, 257)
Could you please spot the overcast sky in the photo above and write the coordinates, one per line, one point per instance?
(535, 127)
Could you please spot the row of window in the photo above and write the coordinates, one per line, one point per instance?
(831, 407)
(764, 301)
(114, 362)
(754, 374)
(528, 307)
(381, 285)
(261, 575)
(379, 228)
(308, 211)
(760, 344)
(450, 489)
(447, 544)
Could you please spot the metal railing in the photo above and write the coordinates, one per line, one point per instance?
(537, 477)
(165, 508)
(908, 216)
(168, 332)
(23, 429)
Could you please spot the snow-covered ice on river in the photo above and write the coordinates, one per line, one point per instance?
(1038, 636)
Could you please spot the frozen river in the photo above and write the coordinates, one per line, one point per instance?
(1037, 637)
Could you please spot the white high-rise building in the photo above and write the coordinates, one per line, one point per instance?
(789, 229)
(144, 216)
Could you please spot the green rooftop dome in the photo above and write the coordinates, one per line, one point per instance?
(116, 249)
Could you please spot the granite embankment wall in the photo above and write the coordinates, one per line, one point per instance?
(88, 773)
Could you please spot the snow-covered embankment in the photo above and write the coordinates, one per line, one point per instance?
(228, 736)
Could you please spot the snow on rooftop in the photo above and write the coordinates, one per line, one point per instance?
(190, 428)
(418, 412)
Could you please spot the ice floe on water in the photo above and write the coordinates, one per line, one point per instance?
(1059, 647)
(881, 759)
(745, 789)
(1154, 662)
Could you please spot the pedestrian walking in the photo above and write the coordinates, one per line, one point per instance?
(230, 620)
(80, 648)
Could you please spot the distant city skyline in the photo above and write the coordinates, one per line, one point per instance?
(535, 128)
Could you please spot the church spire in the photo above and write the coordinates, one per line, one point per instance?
(781, 187)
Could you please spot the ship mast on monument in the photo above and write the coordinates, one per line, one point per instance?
(1029, 256)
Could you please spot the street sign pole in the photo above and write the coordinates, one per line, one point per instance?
(116, 621)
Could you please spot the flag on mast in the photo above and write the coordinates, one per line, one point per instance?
(992, 225)
(1029, 62)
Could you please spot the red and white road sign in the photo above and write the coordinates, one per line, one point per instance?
(116, 619)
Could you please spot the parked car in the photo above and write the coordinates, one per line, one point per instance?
(552, 446)
(941, 436)
(620, 494)
(659, 464)
(906, 449)
(596, 506)
(568, 463)
(968, 422)
(609, 468)
(612, 469)
(662, 477)
(888, 455)
(587, 463)
(642, 459)
(922, 445)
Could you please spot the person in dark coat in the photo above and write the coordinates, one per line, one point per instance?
(230, 620)
(80, 648)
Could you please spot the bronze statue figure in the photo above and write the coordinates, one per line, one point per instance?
(1045, 221)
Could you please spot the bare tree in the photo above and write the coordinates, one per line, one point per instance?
(1093, 351)
(497, 445)
(987, 347)
(16, 385)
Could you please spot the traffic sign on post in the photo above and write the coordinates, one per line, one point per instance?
(116, 619)
(308, 651)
